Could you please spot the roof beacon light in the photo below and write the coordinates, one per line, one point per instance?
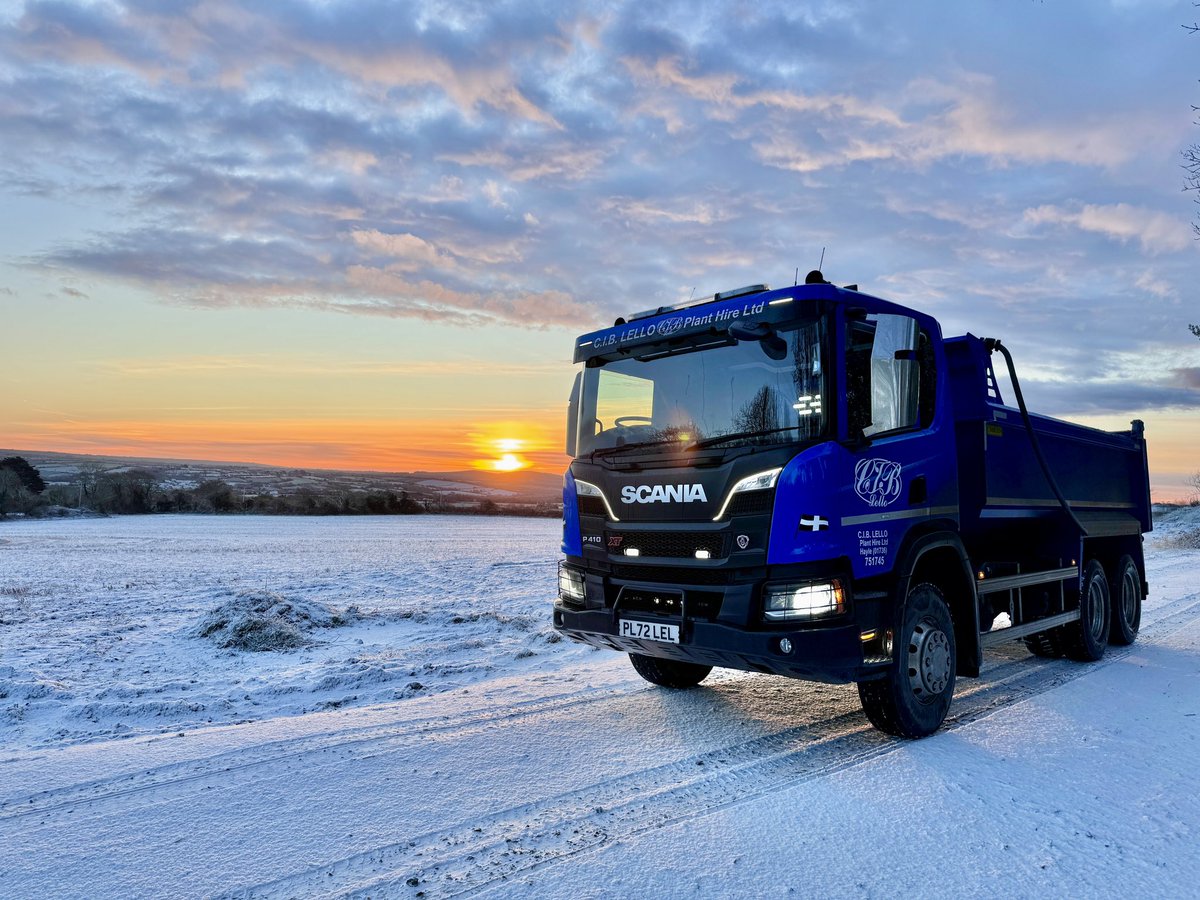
(741, 292)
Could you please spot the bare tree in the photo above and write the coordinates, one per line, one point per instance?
(89, 476)
(760, 412)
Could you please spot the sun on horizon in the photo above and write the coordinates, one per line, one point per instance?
(508, 458)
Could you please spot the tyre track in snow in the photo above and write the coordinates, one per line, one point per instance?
(468, 857)
(246, 764)
(368, 740)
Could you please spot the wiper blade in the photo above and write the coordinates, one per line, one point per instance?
(738, 435)
(613, 451)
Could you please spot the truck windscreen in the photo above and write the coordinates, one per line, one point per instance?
(748, 391)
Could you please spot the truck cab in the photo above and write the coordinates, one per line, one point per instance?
(769, 480)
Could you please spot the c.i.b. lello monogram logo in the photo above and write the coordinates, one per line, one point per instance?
(668, 327)
(878, 481)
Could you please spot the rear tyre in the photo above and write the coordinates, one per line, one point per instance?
(1045, 644)
(1126, 594)
(912, 700)
(669, 673)
(1086, 638)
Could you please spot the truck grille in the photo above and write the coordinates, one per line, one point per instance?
(676, 544)
(699, 604)
(672, 574)
(592, 506)
(751, 503)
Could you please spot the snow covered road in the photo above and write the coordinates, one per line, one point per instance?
(560, 773)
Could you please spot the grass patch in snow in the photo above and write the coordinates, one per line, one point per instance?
(263, 620)
(1183, 540)
(1177, 528)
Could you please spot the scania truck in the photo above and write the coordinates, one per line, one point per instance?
(813, 482)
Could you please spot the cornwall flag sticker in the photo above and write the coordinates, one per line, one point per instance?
(813, 523)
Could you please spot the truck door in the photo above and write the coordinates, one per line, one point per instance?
(903, 464)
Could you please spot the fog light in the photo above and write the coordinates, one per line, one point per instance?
(570, 584)
(819, 600)
(632, 551)
(785, 646)
(703, 554)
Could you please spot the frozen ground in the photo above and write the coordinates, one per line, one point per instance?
(100, 619)
(428, 738)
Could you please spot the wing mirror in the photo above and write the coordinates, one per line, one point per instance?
(773, 345)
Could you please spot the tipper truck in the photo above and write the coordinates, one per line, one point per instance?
(813, 482)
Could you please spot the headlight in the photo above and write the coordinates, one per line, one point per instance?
(760, 482)
(587, 489)
(803, 602)
(570, 584)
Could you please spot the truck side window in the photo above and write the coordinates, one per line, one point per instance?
(859, 337)
(883, 366)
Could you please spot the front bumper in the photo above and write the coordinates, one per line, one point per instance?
(832, 654)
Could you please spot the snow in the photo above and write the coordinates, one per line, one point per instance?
(1178, 528)
(463, 487)
(431, 737)
(110, 613)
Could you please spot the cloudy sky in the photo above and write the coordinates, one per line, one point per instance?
(364, 234)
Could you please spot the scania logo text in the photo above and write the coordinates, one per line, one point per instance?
(663, 493)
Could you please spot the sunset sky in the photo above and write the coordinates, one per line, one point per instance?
(363, 235)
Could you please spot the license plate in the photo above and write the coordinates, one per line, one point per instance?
(650, 631)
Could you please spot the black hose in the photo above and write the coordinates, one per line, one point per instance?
(994, 344)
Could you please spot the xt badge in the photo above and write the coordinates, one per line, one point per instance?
(814, 523)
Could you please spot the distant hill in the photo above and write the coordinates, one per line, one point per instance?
(445, 490)
(526, 483)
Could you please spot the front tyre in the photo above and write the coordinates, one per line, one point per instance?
(1126, 595)
(914, 697)
(669, 673)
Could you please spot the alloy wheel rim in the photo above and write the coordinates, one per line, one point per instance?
(929, 660)
(1129, 595)
(1096, 607)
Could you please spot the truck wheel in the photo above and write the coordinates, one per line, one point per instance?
(1126, 595)
(669, 672)
(912, 700)
(1045, 644)
(1086, 639)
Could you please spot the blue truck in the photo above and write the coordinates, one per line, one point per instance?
(813, 482)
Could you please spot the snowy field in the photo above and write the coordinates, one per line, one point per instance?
(100, 619)
(419, 732)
